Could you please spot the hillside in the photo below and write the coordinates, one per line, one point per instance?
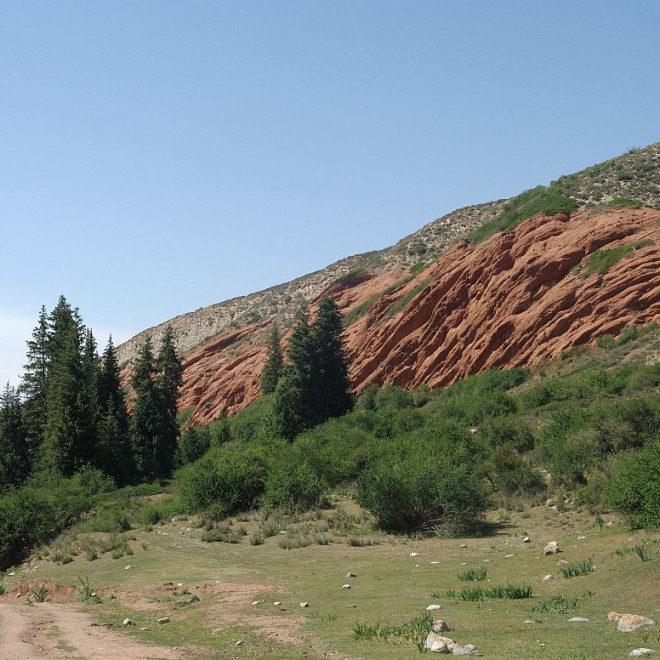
(518, 298)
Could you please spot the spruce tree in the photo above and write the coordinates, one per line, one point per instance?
(14, 448)
(112, 452)
(331, 384)
(65, 446)
(33, 385)
(272, 371)
(145, 424)
(170, 378)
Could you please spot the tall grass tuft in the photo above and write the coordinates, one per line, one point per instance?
(578, 568)
(473, 575)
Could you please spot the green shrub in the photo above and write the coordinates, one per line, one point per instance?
(473, 575)
(230, 476)
(625, 202)
(481, 593)
(514, 475)
(635, 489)
(160, 510)
(292, 484)
(418, 485)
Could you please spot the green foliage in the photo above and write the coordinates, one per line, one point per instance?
(292, 484)
(575, 569)
(635, 489)
(560, 603)
(231, 477)
(415, 631)
(473, 575)
(481, 593)
(417, 485)
(272, 371)
(194, 443)
(602, 260)
(537, 201)
(315, 385)
(625, 202)
(15, 459)
(160, 510)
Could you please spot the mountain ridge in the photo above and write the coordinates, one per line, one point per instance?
(223, 344)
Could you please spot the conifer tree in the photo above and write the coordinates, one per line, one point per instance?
(331, 384)
(273, 368)
(65, 441)
(112, 452)
(14, 448)
(170, 379)
(33, 384)
(145, 424)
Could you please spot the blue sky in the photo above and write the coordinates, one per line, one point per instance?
(158, 157)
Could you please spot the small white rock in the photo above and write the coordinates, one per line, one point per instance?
(435, 562)
(431, 608)
(610, 524)
(529, 621)
(578, 619)
(547, 577)
(126, 567)
(11, 574)
(414, 554)
(508, 556)
(345, 586)
(277, 602)
(640, 652)
(581, 538)
(463, 545)
(350, 574)
(127, 622)
(165, 619)
(526, 539)
(256, 602)
(305, 604)
(240, 642)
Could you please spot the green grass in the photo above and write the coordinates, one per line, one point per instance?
(473, 575)
(539, 200)
(560, 603)
(576, 569)
(602, 260)
(480, 593)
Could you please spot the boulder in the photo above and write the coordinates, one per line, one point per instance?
(441, 626)
(439, 644)
(632, 622)
(551, 549)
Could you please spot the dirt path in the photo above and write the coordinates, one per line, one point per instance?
(54, 630)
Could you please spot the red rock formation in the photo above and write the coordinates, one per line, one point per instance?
(521, 297)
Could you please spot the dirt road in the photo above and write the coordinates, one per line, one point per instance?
(54, 630)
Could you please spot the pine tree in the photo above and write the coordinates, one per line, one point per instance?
(331, 384)
(145, 424)
(65, 440)
(170, 379)
(14, 447)
(33, 384)
(315, 384)
(273, 368)
(112, 452)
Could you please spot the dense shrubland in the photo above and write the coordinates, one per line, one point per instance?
(419, 461)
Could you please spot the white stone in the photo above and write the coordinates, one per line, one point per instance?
(435, 562)
(526, 539)
(256, 602)
(126, 568)
(640, 652)
(430, 608)
(581, 538)
(345, 586)
(240, 642)
(305, 604)
(127, 622)
(529, 621)
(547, 577)
(350, 574)
(551, 549)
(414, 554)
(277, 602)
(165, 619)
(463, 545)
(578, 619)
(508, 556)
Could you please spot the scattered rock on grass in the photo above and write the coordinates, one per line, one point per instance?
(350, 574)
(441, 626)
(439, 644)
(345, 586)
(551, 549)
(641, 652)
(127, 622)
(431, 608)
(305, 604)
(163, 620)
(630, 622)
(578, 619)
(547, 577)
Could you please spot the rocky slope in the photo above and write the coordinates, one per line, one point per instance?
(524, 295)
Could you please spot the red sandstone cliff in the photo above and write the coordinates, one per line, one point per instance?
(523, 296)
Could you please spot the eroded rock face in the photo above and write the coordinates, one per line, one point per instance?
(524, 296)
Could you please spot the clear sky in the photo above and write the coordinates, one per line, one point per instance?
(158, 157)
